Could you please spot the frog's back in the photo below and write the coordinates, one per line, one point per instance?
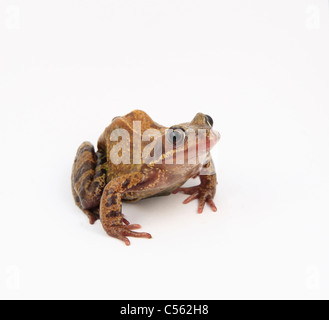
(133, 125)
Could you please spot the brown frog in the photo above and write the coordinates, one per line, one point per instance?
(138, 159)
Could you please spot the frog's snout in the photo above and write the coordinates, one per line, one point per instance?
(214, 137)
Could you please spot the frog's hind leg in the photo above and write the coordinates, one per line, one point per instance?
(88, 180)
(93, 214)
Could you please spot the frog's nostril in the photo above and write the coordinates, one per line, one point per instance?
(209, 120)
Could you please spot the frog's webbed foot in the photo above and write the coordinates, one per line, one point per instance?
(204, 195)
(121, 232)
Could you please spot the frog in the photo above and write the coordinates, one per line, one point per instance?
(101, 182)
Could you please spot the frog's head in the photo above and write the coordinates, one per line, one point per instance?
(191, 142)
(184, 146)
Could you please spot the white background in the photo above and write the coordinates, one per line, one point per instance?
(259, 68)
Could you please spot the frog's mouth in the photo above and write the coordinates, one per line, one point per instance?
(214, 138)
(206, 142)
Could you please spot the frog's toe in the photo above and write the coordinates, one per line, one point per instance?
(134, 226)
(190, 190)
(212, 205)
(203, 201)
(125, 221)
(192, 197)
(122, 232)
(203, 196)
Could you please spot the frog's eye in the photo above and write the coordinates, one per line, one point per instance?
(175, 136)
(209, 121)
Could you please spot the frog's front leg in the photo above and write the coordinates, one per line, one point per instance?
(206, 191)
(111, 208)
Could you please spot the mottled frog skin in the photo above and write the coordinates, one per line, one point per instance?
(99, 186)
